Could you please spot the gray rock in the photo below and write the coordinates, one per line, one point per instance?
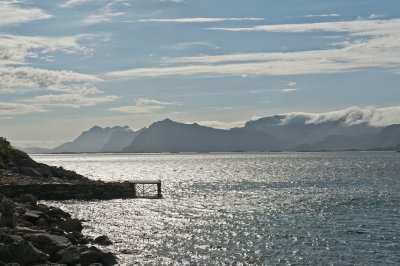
(71, 225)
(102, 240)
(15, 249)
(7, 205)
(58, 213)
(49, 244)
(94, 255)
(29, 171)
(68, 256)
(28, 198)
(32, 216)
(9, 219)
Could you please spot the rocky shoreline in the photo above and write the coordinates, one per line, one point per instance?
(37, 234)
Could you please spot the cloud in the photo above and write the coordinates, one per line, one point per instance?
(354, 27)
(221, 125)
(322, 16)
(16, 49)
(104, 14)
(197, 20)
(73, 3)
(14, 79)
(290, 86)
(144, 106)
(188, 45)
(377, 45)
(10, 109)
(12, 13)
(352, 116)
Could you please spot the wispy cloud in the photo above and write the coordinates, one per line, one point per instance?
(322, 16)
(11, 12)
(10, 109)
(73, 3)
(16, 49)
(290, 86)
(197, 20)
(104, 14)
(144, 106)
(352, 116)
(75, 99)
(30, 78)
(221, 124)
(188, 45)
(380, 49)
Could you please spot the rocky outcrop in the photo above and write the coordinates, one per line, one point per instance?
(16, 166)
(46, 235)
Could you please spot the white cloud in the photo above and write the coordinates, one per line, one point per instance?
(9, 109)
(104, 14)
(197, 20)
(16, 49)
(353, 116)
(322, 16)
(73, 3)
(188, 45)
(144, 106)
(28, 78)
(381, 48)
(221, 124)
(286, 90)
(12, 13)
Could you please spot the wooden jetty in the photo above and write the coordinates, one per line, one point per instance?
(145, 188)
(87, 191)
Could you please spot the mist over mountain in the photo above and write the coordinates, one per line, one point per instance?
(300, 129)
(170, 136)
(97, 139)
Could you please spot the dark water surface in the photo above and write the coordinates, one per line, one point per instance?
(259, 208)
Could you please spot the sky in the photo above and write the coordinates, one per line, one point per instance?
(68, 65)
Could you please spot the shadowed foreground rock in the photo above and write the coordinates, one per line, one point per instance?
(43, 235)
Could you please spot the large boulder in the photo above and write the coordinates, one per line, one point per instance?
(15, 249)
(49, 244)
(102, 240)
(70, 256)
(71, 225)
(95, 255)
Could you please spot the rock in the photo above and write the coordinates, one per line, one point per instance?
(12, 264)
(42, 222)
(58, 213)
(32, 216)
(102, 240)
(24, 223)
(42, 208)
(70, 256)
(7, 205)
(29, 171)
(71, 225)
(9, 219)
(94, 255)
(49, 244)
(15, 249)
(28, 198)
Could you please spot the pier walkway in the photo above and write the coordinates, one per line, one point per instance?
(87, 191)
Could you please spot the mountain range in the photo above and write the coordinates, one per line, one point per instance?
(274, 133)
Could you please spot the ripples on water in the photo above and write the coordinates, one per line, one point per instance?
(277, 208)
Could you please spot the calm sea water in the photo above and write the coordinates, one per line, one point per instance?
(262, 209)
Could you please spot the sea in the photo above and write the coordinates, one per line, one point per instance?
(322, 208)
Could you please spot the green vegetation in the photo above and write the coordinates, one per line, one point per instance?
(11, 156)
